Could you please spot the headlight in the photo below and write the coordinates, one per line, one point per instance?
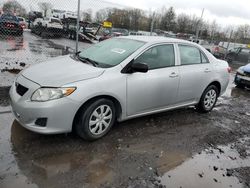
(240, 71)
(47, 94)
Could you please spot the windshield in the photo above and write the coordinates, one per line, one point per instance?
(111, 52)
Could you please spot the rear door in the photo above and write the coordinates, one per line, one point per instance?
(195, 73)
(243, 55)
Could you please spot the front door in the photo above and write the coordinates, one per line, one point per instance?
(158, 87)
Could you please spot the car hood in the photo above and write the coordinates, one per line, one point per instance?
(246, 68)
(60, 71)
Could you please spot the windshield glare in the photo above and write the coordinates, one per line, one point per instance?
(111, 52)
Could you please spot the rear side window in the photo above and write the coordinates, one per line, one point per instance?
(190, 55)
(158, 57)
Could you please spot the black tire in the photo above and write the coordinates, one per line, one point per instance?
(240, 85)
(201, 107)
(230, 58)
(82, 127)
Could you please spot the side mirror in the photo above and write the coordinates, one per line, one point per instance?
(139, 67)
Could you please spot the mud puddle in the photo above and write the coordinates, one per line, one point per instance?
(213, 167)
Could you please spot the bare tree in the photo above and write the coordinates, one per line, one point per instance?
(14, 7)
(102, 15)
(44, 6)
(87, 15)
(168, 20)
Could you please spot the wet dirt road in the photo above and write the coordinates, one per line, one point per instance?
(17, 53)
(181, 148)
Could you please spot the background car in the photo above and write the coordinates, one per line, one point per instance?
(49, 26)
(242, 77)
(9, 24)
(22, 22)
(238, 54)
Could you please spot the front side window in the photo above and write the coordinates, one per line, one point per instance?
(190, 55)
(158, 57)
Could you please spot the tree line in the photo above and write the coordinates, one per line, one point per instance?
(165, 19)
(168, 20)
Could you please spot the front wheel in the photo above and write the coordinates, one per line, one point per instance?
(208, 99)
(96, 119)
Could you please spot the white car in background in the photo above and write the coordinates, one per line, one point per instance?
(52, 22)
(68, 14)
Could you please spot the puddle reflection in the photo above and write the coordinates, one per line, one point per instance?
(207, 169)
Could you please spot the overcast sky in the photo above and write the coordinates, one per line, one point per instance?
(225, 12)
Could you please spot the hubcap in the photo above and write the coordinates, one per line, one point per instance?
(100, 119)
(210, 99)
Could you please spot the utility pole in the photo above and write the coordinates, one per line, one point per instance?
(228, 43)
(198, 26)
(78, 25)
(152, 24)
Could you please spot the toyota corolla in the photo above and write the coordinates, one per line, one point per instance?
(116, 80)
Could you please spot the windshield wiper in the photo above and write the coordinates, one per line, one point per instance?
(85, 59)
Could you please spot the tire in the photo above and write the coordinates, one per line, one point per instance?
(92, 112)
(230, 59)
(208, 99)
(240, 85)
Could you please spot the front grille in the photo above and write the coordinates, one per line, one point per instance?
(20, 89)
(247, 73)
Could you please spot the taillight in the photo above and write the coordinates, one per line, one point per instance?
(216, 49)
(229, 69)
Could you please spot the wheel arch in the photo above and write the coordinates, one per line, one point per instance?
(217, 84)
(116, 102)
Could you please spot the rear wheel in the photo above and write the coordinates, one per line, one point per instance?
(230, 58)
(208, 99)
(96, 119)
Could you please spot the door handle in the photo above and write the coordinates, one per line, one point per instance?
(173, 75)
(207, 70)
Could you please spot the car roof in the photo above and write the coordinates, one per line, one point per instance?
(156, 39)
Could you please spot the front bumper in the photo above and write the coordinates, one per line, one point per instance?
(242, 79)
(59, 113)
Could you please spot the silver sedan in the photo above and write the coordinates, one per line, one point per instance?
(116, 80)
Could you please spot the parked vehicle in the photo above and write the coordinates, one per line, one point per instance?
(204, 43)
(22, 22)
(57, 13)
(47, 26)
(87, 31)
(109, 35)
(117, 79)
(238, 54)
(242, 77)
(68, 14)
(220, 50)
(9, 24)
